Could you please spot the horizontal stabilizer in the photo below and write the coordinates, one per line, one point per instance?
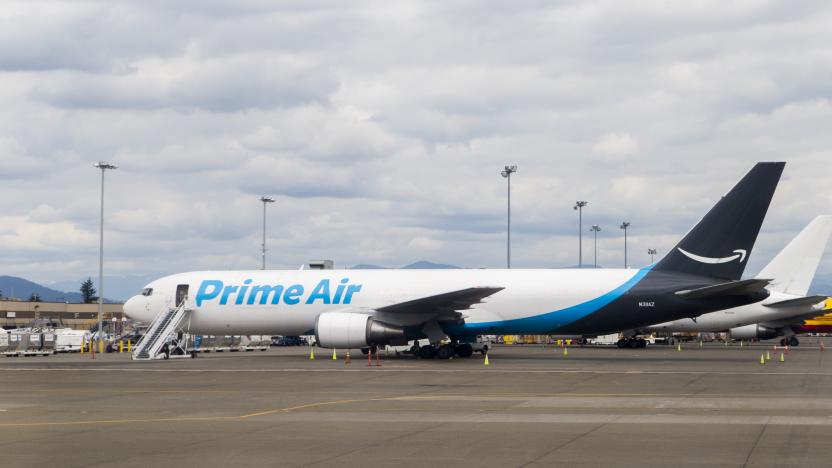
(800, 301)
(732, 288)
(445, 302)
(790, 321)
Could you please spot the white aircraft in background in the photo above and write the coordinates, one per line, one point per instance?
(791, 273)
(364, 308)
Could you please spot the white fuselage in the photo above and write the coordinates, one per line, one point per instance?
(287, 302)
(724, 320)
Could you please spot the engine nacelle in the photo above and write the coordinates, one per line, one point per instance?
(753, 331)
(347, 330)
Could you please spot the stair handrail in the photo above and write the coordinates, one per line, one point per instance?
(157, 327)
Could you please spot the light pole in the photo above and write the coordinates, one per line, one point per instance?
(595, 228)
(651, 252)
(104, 166)
(579, 205)
(266, 200)
(506, 173)
(624, 226)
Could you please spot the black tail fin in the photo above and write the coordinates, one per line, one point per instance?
(719, 245)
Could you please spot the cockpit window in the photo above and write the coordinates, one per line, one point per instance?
(147, 292)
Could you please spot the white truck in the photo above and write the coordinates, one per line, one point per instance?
(68, 340)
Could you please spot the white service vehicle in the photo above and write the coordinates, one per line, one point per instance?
(68, 340)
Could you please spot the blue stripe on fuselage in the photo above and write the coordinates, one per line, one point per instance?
(546, 322)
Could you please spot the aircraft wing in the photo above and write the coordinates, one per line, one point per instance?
(730, 288)
(446, 302)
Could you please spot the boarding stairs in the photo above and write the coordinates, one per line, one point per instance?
(163, 326)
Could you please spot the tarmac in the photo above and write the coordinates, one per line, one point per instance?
(532, 406)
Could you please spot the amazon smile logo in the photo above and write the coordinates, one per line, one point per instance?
(740, 254)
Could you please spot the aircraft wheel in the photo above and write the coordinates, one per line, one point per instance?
(414, 350)
(782, 342)
(365, 351)
(642, 343)
(464, 350)
(633, 343)
(622, 343)
(426, 352)
(793, 341)
(446, 352)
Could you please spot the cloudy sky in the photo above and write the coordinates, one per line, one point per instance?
(381, 128)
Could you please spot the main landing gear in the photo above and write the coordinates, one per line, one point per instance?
(446, 351)
(632, 342)
(790, 341)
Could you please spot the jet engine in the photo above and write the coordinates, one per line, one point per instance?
(352, 330)
(753, 331)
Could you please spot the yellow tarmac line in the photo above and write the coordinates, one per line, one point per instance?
(116, 421)
(314, 405)
(290, 409)
(191, 419)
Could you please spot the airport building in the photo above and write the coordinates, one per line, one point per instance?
(15, 314)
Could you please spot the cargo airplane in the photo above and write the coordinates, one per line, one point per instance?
(791, 273)
(366, 308)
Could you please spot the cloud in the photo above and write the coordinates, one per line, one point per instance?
(616, 144)
(381, 129)
(189, 83)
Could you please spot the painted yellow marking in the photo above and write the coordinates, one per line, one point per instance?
(311, 405)
(289, 409)
(191, 419)
(114, 421)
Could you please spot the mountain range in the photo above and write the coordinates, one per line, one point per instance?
(14, 287)
(420, 265)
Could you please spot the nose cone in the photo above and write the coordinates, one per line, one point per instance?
(134, 307)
